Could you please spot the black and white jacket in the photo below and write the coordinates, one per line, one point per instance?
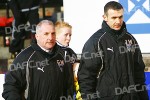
(111, 61)
(37, 75)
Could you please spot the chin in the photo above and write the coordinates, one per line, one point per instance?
(66, 44)
(50, 46)
(117, 29)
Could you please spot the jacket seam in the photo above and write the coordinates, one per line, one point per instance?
(101, 56)
(27, 76)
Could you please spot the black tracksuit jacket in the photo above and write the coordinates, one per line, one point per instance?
(111, 66)
(70, 58)
(44, 76)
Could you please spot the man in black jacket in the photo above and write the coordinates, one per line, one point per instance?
(39, 72)
(111, 66)
(24, 11)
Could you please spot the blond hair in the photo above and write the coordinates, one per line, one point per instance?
(61, 24)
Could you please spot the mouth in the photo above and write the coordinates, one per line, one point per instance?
(50, 42)
(117, 27)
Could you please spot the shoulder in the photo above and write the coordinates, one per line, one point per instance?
(24, 54)
(71, 51)
(59, 50)
(93, 40)
(130, 37)
(97, 35)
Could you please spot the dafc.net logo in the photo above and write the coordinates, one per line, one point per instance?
(137, 15)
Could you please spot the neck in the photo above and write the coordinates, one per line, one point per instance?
(46, 50)
(61, 44)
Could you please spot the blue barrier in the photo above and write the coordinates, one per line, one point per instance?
(147, 75)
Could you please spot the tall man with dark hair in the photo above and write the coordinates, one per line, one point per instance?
(111, 66)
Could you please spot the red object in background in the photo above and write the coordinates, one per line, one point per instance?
(9, 21)
(6, 21)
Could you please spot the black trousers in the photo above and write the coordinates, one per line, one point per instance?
(20, 23)
(20, 28)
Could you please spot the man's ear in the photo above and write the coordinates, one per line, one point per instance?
(56, 36)
(104, 17)
(36, 36)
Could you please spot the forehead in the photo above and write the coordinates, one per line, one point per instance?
(115, 13)
(64, 30)
(47, 27)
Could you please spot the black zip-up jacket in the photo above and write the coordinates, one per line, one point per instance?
(111, 66)
(70, 58)
(37, 75)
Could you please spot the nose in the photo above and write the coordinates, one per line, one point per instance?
(51, 36)
(118, 20)
(69, 37)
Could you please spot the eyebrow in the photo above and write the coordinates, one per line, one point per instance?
(46, 32)
(49, 32)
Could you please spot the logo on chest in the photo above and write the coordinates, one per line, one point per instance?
(128, 44)
(129, 47)
(60, 64)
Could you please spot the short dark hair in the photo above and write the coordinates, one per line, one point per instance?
(112, 5)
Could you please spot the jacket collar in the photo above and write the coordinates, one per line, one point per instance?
(62, 45)
(114, 33)
(54, 51)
